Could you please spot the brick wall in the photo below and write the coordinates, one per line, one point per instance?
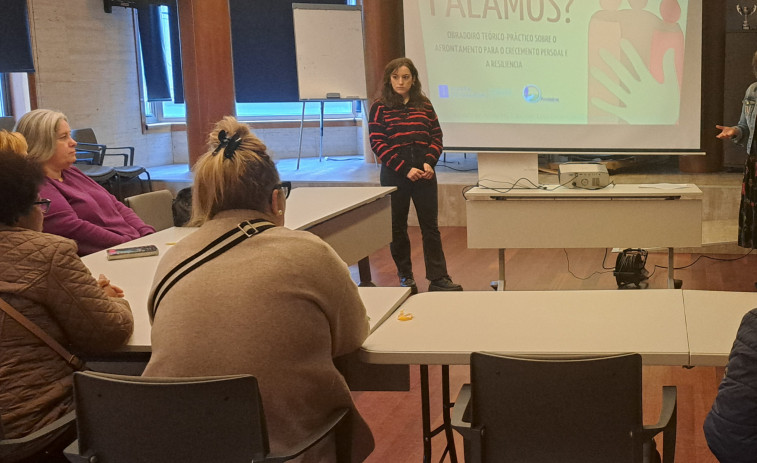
(86, 67)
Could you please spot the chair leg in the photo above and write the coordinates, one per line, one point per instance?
(141, 184)
(119, 196)
(109, 185)
(149, 181)
(650, 453)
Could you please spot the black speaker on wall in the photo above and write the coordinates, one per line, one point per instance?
(109, 4)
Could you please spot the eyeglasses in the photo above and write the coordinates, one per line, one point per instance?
(44, 204)
(286, 187)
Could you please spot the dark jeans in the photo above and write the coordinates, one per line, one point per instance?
(425, 198)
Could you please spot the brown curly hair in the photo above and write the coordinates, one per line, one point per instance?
(389, 97)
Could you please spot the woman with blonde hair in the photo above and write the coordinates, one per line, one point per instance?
(81, 209)
(45, 281)
(275, 303)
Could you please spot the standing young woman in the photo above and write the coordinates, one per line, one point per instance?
(406, 137)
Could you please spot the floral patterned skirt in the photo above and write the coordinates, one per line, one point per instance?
(748, 210)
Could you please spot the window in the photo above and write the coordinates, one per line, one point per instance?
(5, 96)
(168, 111)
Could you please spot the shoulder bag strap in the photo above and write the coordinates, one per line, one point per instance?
(71, 360)
(223, 243)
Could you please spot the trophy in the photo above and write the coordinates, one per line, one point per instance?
(745, 11)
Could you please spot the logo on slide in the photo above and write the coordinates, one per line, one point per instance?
(532, 94)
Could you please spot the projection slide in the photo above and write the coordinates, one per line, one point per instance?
(560, 74)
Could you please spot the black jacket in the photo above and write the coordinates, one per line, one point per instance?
(731, 425)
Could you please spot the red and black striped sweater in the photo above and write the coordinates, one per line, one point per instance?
(405, 136)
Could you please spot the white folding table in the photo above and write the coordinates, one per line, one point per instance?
(355, 221)
(626, 216)
(447, 327)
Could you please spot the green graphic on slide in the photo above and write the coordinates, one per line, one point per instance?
(637, 95)
(555, 61)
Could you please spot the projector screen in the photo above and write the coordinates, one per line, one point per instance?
(604, 76)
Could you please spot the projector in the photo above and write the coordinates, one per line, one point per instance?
(589, 175)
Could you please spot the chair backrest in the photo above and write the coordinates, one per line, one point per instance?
(154, 208)
(549, 410)
(33, 445)
(84, 135)
(88, 154)
(124, 419)
(182, 207)
(7, 123)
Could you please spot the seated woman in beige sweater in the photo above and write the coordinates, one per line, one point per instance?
(279, 305)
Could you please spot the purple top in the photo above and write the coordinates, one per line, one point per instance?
(85, 212)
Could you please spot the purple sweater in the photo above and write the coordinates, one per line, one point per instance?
(85, 212)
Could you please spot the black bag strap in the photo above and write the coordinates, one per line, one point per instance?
(71, 360)
(223, 243)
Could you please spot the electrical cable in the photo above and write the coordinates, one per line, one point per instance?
(465, 189)
(514, 185)
(702, 256)
(604, 260)
(654, 268)
(567, 259)
(330, 158)
(444, 164)
(501, 190)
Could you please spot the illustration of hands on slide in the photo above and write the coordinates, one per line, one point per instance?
(554, 61)
(643, 100)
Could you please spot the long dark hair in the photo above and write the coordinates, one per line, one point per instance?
(389, 97)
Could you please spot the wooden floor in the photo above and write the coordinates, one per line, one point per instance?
(395, 417)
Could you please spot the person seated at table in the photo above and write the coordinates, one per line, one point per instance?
(80, 208)
(43, 278)
(731, 426)
(279, 305)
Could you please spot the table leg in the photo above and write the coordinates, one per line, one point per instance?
(302, 123)
(447, 417)
(425, 415)
(446, 426)
(320, 150)
(501, 281)
(672, 282)
(364, 269)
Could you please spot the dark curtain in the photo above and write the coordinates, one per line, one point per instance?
(153, 60)
(15, 40)
(178, 77)
(262, 36)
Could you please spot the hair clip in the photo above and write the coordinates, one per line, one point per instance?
(229, 145)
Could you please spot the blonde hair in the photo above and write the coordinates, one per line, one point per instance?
(243, 179)
(12, 142)
(40, 128)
